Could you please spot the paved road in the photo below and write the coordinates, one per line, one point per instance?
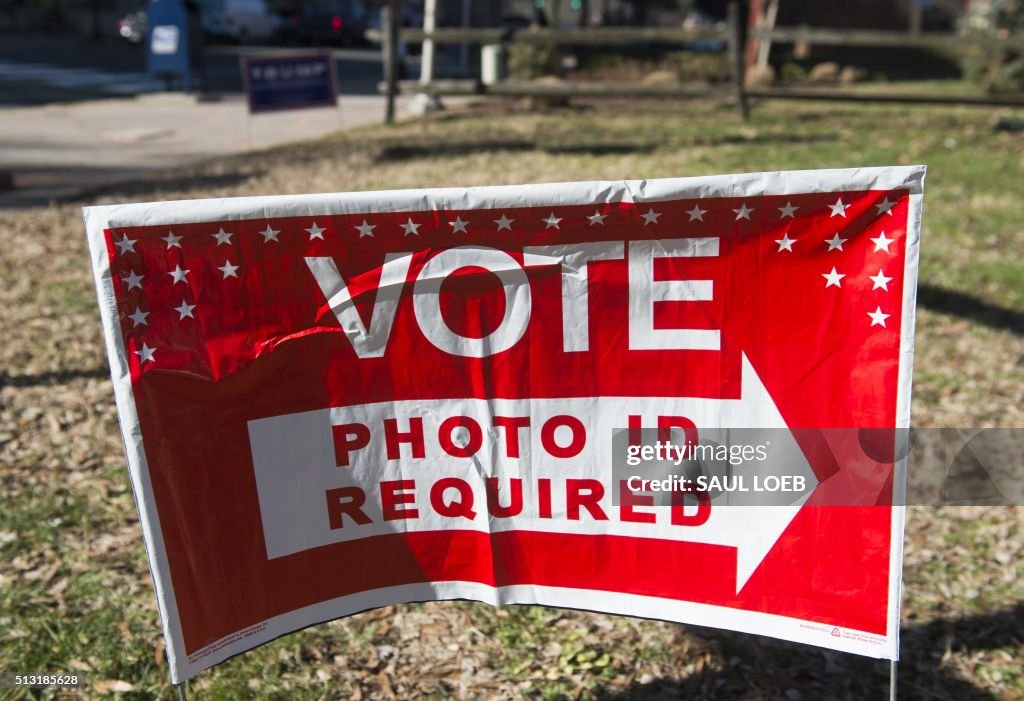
(59, 150)
(74, 116)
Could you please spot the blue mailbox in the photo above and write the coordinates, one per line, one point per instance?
(174, 42)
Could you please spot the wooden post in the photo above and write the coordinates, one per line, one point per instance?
(764, 46)
(915, 17)
(464, 47)
(736, 54)
(389, 47)
(427, 53)
(555, 14)
(426, 102)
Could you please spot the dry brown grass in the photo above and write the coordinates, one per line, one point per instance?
(74, 587)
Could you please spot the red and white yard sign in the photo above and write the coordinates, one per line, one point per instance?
(337, 402)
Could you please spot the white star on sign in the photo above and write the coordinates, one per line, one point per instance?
(881, 243)
(651, 217)
(743, 212)
(880, 281)
(878, 317)
(411, 228)
(269, 234)
(172, 240)
(838, 209)
(228, 270)
(145, 354)
(552, 221)
(125, 244)
(365, 229)
(785, 243)
(597, 217)
(833, 278)
(315, 232)
(788, 211)
(885, 207)
(184, 310)
(458, 226)
(696, 214)
(835, 242)
(223, 237)
(133, 280)
(504, 223)
(139, 317)
(178, 274)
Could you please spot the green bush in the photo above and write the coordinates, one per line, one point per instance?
(531, 61)
(792, 72)
(702, 67)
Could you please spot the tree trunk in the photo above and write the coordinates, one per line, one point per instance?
(95, 10)
(639, 13)
(554, 13)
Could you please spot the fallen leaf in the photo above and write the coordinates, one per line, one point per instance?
(117, 686)
(385, 683)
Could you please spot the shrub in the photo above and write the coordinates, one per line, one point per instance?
(792, 72)
(531, 61)
(997, 68)
(702, 67)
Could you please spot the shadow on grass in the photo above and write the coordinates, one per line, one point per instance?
(52, 377)
(763, 138)
(944, 301)
(754, 667)
(406, 152)
(42, 186)
(171, 183)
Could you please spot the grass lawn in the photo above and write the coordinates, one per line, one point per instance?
(75, 593)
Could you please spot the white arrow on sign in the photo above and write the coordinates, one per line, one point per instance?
(294, 461)
(752, 522)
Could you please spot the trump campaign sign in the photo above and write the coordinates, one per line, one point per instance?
(634, 397)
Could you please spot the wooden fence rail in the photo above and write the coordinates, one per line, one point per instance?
(591, 36)
(939, 41)
(730, 36)
(623, 36)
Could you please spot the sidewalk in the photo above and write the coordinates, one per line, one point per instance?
(58, 151)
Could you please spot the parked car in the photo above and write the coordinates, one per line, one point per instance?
(339, 23)
(132, 27)
(239, 20)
